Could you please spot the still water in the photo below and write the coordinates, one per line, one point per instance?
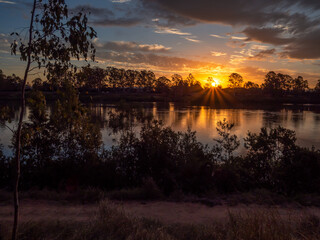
(304, 120)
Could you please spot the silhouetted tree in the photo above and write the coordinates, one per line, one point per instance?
(130, 78)
(9, 83)
(228, 142)
(148, 78)
(190, 80)
(299, 84)
(277, 83)
(92, 78)
(54, 37)
(162, 84)
(235, 80)
(37, 83)
(317, 87)
(176, 80)
(266, 151)
(250, 85)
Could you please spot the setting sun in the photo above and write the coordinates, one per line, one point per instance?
(214, 83)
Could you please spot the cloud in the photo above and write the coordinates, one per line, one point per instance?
(5, 42)
(160, 62)
(107, 17)
(284, 23)
(7, 2)
(239, 38)
(120, 1)
(167, 30)
(267, 35)
(217, 36)
(122, 46)
(122, 21)
(166, 18)
(237, 59)
(4, 51)
(254, 74)
(192, 40)
(236, 44)
(134, 13)
(258, 47)
(263, 54)
(100, 12)
(301, 46)
(236, 12)
(305, 47)
(287, 24)
(218, 54)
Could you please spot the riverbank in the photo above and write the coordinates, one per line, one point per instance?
(225, 98)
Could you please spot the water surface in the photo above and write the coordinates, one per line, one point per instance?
(304, 120)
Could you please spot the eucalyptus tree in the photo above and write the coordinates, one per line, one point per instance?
(162, 84)
(251, 85)
(176, 80)
(317, 87)
(235, 80)
(92, 78)
(277, 82)
(299, 84)
(54, 37)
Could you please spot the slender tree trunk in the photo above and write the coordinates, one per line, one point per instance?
(18, 134)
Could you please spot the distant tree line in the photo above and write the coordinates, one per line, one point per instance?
(95, 80)
(116, 79)
(9, 83)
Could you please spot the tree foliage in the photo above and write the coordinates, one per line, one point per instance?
(57, 37)
(235, 80)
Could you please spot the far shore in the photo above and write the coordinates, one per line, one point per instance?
(229, 99)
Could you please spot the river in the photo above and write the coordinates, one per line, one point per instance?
(303, 119)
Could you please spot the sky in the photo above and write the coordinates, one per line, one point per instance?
(204, 37)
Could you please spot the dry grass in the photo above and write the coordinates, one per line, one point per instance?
(113, 223)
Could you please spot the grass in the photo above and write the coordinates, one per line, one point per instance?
(112, 223)
(150, 191)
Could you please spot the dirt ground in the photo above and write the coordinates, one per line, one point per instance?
(168, 212)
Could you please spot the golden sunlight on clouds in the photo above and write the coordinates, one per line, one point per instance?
(218, 54)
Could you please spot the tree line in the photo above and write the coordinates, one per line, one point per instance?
(119, 79)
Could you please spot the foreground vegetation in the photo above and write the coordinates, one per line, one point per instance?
(113, 223)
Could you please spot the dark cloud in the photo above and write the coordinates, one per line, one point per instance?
(151, 9)
(267, 35)
(97, 12)
(236, 44)
(299, 46)
(263, 54)
(305, 47)
(121, 21)
(106, 17)
(139, 12)
(234, 12)
(289, 24)
(133, 47)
